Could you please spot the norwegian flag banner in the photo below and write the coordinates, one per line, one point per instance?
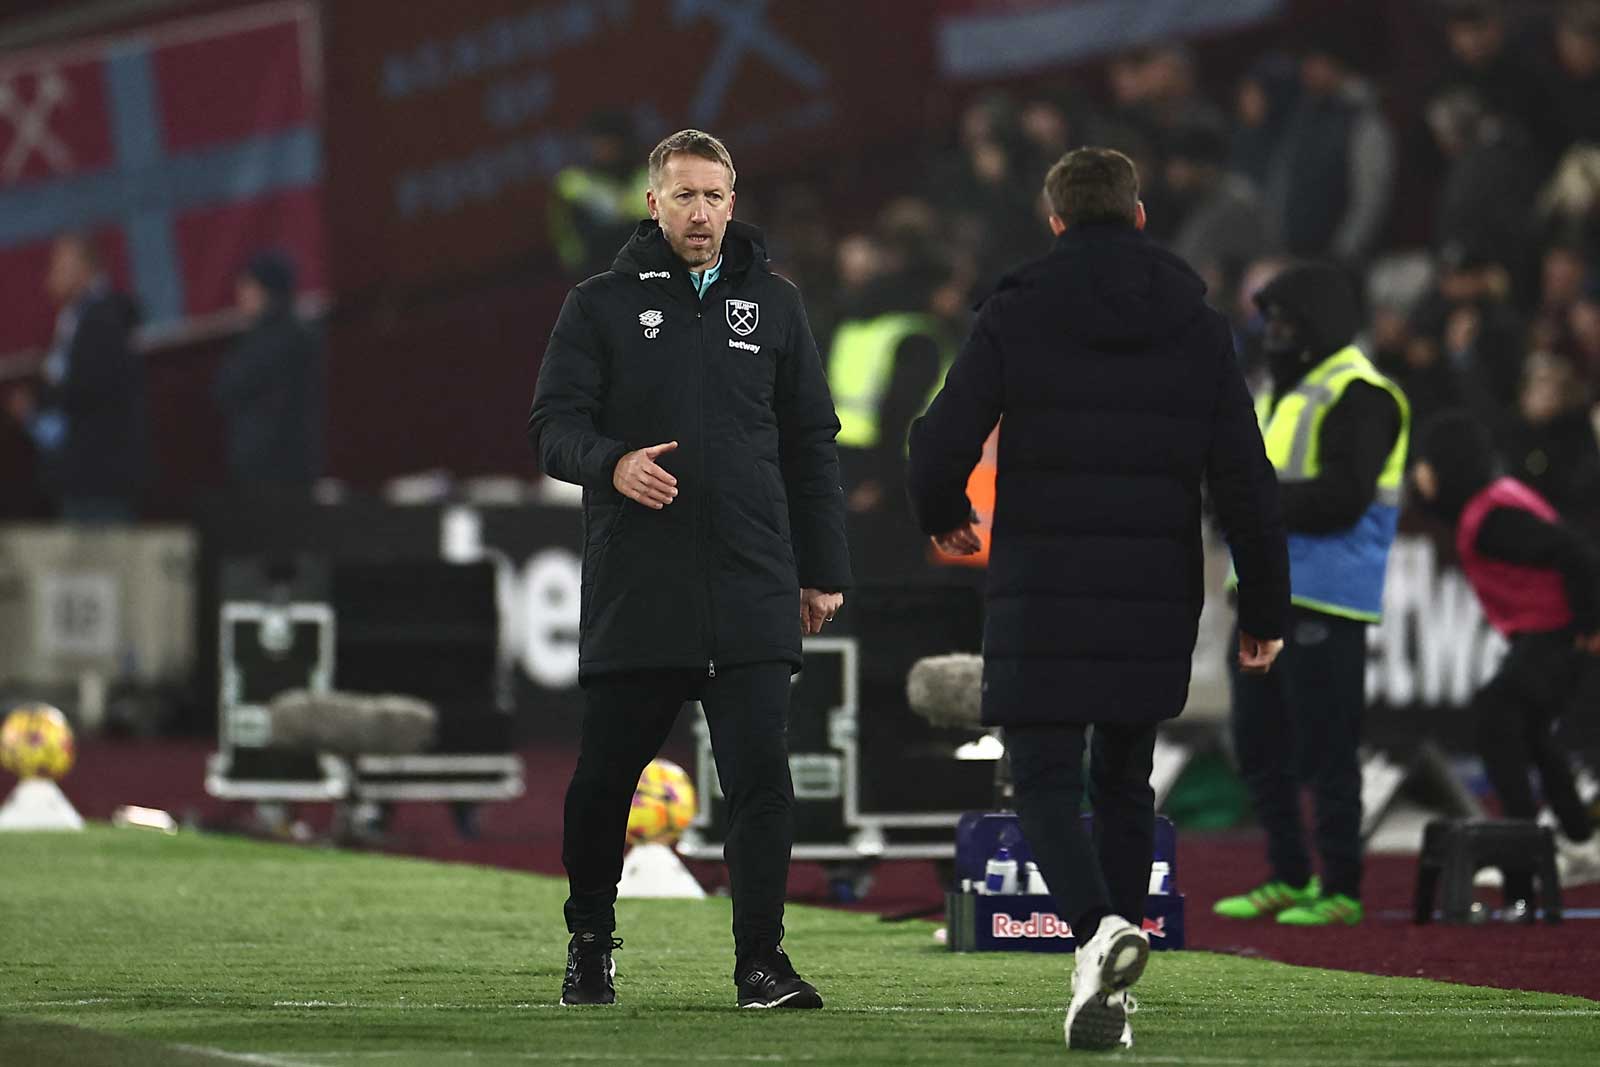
(183, 149)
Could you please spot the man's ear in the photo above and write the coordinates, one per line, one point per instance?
(1138, 215)
(732, 196)
(650, 202)
(1057, 227)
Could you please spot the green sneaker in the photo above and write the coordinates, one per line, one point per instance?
(1337, 910)
(1269, 899)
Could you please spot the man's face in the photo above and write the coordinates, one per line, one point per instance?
(1282, 333)
(1320, 74)
(693, 204)
(250, 296)
(70, 271)
(1579, 52)
(1475, 42)
(1426, 480)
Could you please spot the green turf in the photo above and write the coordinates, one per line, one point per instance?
(202, 950)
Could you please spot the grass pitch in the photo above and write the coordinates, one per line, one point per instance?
(120, 947)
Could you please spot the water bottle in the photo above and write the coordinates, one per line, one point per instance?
(1160, 878)
(1000, 874)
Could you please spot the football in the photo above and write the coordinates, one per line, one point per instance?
(663, 804)
(36, 742)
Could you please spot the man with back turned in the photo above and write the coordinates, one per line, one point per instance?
(1120, 396)
(683, 391)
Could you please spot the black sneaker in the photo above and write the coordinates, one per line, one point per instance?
(590, 970)
(768, 980)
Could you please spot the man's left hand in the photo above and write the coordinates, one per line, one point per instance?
(962, 541)
(816, 608)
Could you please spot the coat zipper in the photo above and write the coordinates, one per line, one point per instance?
(705, 540)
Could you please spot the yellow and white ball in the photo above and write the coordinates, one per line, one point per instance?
(663, 804)
(36, 742)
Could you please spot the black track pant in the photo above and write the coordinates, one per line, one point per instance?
(1110, 874)
(1300, 724)
(627, 720)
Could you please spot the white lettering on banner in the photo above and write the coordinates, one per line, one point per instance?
(1039, 924)
(1434, 646)
(552, 592)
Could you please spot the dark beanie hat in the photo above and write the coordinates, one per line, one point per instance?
(274, 272)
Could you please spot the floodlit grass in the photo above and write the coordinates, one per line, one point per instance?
(121, 947)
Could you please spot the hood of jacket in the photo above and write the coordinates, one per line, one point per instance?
(1323, 299)
(1114, 286)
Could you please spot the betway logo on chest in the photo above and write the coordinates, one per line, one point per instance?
(745, 345)
(644, 274)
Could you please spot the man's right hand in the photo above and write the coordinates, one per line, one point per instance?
(1255, 655)
(639, 479)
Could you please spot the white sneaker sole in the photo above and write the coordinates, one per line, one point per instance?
(1125, 962)
(1099, 1024)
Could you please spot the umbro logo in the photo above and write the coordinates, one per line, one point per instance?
(644, 274)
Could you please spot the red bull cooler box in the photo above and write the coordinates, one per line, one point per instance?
(1027, 922)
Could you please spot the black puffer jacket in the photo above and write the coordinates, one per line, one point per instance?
(103, 397)
(637, 359)
(1120, 395)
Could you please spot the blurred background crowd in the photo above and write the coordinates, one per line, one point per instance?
(1464, 194)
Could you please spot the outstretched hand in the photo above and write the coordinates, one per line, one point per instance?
(638, 478)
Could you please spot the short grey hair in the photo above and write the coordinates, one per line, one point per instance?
(690, 143)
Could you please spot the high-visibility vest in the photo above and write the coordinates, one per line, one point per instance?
(861, 365)
(1339, 573)
(598, 193)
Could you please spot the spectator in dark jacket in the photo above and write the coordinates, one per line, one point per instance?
(1491, 180)
(269, 387)
(1334, 173)
(1222, 226)
(89, 420)
(1538, 581)
(1266, 99)
(1575, 76)
(1484, 60)
(1121, 396)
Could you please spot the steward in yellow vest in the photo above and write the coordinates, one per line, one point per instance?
(1335, 431)
(593, 207)
(886, 363)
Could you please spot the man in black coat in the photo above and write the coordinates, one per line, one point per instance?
(269, 386)
(89, 420)
(1121, 395)
(682, 389)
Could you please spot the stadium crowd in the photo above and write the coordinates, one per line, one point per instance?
(1498, 312)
